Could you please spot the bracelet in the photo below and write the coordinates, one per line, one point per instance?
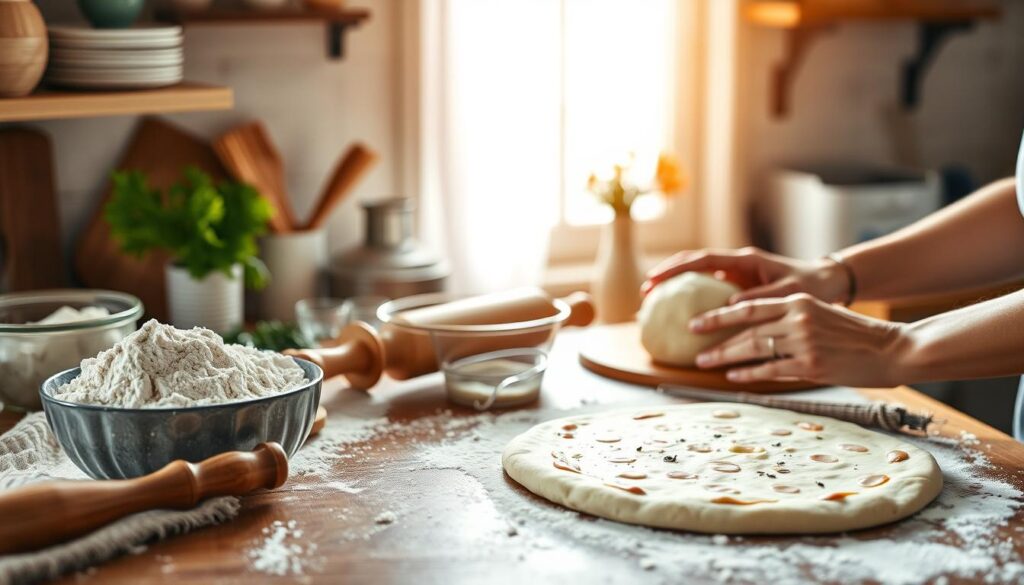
(851, 292)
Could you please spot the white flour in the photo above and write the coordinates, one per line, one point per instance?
(972, 508)
(159, 366)
(67, 314)
(962, 534)
(279, 553)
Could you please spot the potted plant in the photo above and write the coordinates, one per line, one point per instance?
(618, 276)
(208, 229)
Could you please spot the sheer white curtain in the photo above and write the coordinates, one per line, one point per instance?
(490, 137)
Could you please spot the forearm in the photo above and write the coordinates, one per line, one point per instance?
(980, 341)
(975, 242)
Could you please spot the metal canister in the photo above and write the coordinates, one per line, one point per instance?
(390, 262)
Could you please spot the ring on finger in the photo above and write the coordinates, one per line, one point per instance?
(773, 349)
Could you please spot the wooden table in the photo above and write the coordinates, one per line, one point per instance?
(440, 536)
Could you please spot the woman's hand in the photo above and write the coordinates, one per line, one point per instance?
(761, 274)
(803, 338)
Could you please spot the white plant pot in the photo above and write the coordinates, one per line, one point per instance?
(215, 302)
(296, 262)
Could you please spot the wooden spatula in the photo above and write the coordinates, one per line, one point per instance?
(356, 162)
(50, 513)
(251, 157)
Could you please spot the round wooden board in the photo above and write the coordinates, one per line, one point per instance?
(614, 351)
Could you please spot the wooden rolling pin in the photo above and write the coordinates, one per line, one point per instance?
(53, 512)
(362, 355)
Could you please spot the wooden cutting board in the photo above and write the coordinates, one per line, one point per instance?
(162, 151)
(29, 223)
(614, 351)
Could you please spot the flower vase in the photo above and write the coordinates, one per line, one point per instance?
(617, 279)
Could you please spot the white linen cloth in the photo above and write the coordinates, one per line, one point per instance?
(29, 453)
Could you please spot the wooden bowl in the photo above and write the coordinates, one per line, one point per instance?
(23, 47)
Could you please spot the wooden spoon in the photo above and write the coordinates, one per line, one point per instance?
(53, 512)
(356, 162)
(249, 154)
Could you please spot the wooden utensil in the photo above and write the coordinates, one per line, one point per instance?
(162, 151)
(614, 351)
(362, 355)
(23, 47)
(248, 152)
(357, 162)
(53, 512)
(28, 211)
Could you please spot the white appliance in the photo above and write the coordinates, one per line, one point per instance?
(815, 211)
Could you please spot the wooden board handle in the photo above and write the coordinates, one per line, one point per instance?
(53, 512)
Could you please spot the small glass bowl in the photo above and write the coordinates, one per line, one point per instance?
(320, 318)
(490, 365)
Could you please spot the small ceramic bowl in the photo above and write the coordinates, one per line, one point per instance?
(119, 443)
(111, 13)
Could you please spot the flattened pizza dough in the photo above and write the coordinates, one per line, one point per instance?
(724, 468)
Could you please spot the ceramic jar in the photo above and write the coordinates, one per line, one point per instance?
(215, 302)
(23, 47)
(617, 280)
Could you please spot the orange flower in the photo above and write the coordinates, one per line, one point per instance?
(669, 177)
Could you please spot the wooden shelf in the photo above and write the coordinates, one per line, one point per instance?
(52, 104)
(806, 20)
(804, 13)
(337, 21)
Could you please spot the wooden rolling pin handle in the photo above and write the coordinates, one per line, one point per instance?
(582, 307)
(359, 356)
(50, 513)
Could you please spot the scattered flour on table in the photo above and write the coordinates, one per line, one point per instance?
(963, 534)
(957, 535)
(160, 366)
(279, 551)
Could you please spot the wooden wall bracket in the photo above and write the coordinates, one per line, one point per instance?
(930, 38)
(798, 43)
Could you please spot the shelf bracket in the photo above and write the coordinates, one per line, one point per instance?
(336, 40)
(930, 38)
(798, 43)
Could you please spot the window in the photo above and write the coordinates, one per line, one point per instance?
(521, 100)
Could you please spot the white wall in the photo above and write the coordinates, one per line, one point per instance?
(844, 104)
(314, 107)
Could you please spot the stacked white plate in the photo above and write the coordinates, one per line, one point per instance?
(131, 58)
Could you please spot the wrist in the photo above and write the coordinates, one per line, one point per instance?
(833, 283)
(906, 356)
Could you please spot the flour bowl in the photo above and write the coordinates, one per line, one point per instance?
(119, 443)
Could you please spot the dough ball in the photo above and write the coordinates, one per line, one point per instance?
(666, 312)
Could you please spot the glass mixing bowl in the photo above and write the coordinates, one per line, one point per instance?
(31, 352)
(489, 365)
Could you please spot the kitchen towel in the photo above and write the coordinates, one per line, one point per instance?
(29, 453)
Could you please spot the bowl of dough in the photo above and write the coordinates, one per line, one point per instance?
(45, 332)
(162, 394)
